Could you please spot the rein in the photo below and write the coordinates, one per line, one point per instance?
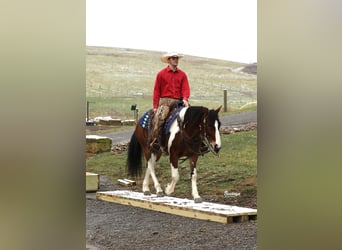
(210, 147)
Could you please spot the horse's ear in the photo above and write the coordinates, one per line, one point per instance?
(218, 109)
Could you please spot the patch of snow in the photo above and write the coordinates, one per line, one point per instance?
(179, 202)
(105, 118)
(96, 137)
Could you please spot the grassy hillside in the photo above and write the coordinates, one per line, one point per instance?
(116, 78)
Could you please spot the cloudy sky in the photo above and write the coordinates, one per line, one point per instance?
(221, 29)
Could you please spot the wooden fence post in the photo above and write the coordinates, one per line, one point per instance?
(225, 109)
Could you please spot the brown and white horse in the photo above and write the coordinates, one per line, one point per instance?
(193, 133)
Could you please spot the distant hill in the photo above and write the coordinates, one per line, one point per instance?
(250, 69)
(119, 72)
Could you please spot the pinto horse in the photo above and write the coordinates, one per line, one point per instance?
(194, 132)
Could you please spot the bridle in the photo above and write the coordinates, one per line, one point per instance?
(203, 139)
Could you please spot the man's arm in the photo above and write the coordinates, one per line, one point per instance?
(185, 91)
(156, 93)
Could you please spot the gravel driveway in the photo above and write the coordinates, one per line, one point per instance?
(115, 226)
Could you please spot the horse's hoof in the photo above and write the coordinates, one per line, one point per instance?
(168, 190)
(198, 200)
(147, 193)
(160, 194)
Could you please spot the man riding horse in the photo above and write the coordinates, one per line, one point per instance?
(171, 84)
(190, 132)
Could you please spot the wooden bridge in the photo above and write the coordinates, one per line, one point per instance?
(183, 207)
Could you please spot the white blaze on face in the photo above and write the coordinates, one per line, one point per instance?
(217, 135)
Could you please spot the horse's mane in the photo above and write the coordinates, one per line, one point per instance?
(195, 115)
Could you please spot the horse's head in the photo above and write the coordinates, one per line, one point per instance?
(200, 122)
(212, 130)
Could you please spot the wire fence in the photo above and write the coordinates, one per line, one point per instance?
(120, 106)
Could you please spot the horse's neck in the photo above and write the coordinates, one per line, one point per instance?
(193, 131)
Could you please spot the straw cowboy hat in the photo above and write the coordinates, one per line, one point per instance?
(166, 56)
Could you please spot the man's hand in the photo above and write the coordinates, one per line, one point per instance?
(185, 103)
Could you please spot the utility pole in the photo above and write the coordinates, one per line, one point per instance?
(225, 109)
(87, 110)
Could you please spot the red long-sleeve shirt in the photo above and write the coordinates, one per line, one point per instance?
(172, 84)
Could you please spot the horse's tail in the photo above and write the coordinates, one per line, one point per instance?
(134, 157)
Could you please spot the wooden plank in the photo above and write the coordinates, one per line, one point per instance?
(183, 207)
(98, 144)
(92, 182)
(133, 183)
(126, 182)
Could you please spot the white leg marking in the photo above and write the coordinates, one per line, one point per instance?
(151, 166)
(170, 188)
(145, 187)
(194, 185)
(217, 135)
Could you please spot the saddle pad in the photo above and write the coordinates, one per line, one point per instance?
(144, 120)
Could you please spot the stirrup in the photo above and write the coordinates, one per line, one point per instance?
(154, 144)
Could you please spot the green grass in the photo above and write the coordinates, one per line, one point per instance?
(103, 130)
(117, 107)
(120, 107)
(117, 78)
(234, 170)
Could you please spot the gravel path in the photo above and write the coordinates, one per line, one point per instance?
(115, 226)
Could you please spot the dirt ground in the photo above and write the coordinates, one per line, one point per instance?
(115, 226)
